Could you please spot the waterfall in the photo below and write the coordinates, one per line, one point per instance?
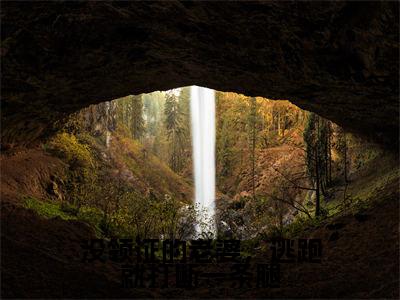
(202, 110)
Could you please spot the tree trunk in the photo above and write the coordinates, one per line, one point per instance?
(317, 174)
(254, 149)
(329, 155)
(317, 191)
(326, 158)
(279, 123)
(345, 159)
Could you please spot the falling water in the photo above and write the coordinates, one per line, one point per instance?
(202, 108)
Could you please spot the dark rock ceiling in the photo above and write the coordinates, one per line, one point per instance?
(338, 59)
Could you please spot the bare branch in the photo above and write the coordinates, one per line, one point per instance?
(294, 183)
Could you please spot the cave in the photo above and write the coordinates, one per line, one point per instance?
(337, 60)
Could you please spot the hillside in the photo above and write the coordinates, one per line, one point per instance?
(46, 254)
(82, 178)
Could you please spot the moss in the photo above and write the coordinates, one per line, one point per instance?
(91, 215)
(301, 224)
(333, 208)
(69, 208)
(47, 209)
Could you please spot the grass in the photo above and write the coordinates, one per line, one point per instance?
(48, 210)
(90, 215)
(370, 185)
(301, 224)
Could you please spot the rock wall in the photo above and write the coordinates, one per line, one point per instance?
(337, 59)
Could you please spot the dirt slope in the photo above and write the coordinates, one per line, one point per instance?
(42, 257)
(27, 172)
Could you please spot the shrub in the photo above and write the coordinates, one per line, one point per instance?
(299, 225)
(67, 146)
(69, 208)
(80, 181)
(90, 215)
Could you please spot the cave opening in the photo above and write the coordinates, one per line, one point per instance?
(77, 165)
(272, 165)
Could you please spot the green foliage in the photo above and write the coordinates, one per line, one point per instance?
(253, 120)
(323, 213)
(274, 232)
(359, 204)
(91, 215)
(66, 211)
(225, 157)
(68, 147)
(333, 208)
(247, 247)
(184, 108)
(245, 126)
(152, 172)
(69, 209)
(80, 181)
(155, 138)
(47, 209)
(129, 113)
(316, 134)
(317, 138)
(137, 125)
(299, 225)
(310, 136)
(175, 129)
(152, 218)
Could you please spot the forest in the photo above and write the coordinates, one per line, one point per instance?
(125, 169)
(279, 169)
(199, 149)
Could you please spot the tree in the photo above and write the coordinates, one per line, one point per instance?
(344, 151)
(318, 158)
(252, 120)
(231, 135)
(175, 131)
(342, 147)
(186, 142)
(129, 114)
(224, 149)
(137, 124)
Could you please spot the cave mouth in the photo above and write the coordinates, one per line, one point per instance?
(114, 166)
(110, 171)
(341, 70)
(275, 164)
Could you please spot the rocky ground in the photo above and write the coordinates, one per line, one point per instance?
(42, 257)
